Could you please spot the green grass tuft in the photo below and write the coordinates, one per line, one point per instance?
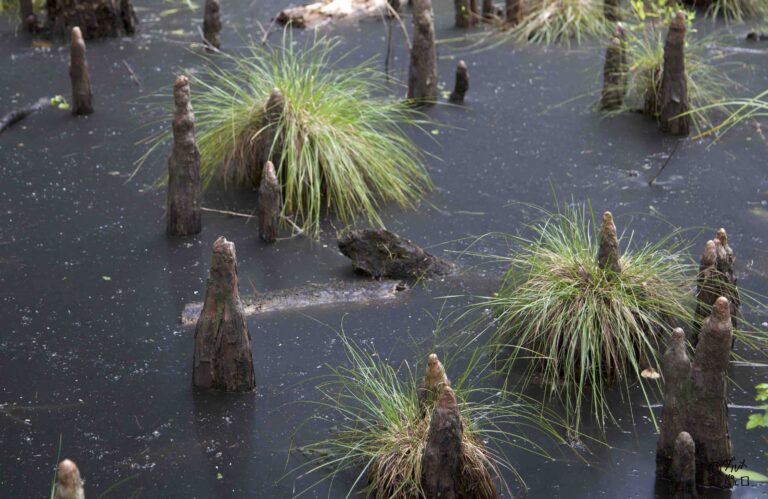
(561, 21)
(345, 147)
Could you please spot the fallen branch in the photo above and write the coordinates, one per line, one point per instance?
(17, 115)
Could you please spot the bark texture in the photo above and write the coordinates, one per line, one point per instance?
(381, 253)
(434, 381)
(270, 204)
(513, 11)
(441, 462)
(184, 188)
(608, 253)
(422, 72)
(82, 96)
(684, 467)
(716, 278)
(615, 71)
(462, 83)
(96, 18)
(270, 146)
(212, 23)
(489, 10)
(674, 83)
(69, 485)
(223, 358)
(695, 399)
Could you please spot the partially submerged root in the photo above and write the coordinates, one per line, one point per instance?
(317, 14)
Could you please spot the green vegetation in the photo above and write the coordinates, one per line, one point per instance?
(382, 432)
(740, 110)
(561, 21)
(583, 326)
(342, 146)
(739, 10)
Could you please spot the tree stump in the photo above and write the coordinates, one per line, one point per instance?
(674, 83)
(684, 467)
(441, 462)
(223, 358)
(212, 23)
(82, 96)
(69, 485)
(270, 204)
(462, 83)
(615, 71)
(695, 399)
(716, 278)
(463, 13)
(608, 253)
(380, 253)
(422, 71)
(514, 11)
(184, 188)
(96, 18)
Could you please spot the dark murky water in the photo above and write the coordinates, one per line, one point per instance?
(91, 288)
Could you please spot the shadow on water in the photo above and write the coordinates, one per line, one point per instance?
(91, 288)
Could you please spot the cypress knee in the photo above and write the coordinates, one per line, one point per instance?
(514, 11)
(674, 83)
(608, 252)
(463, 13)
(462, 83)
(96, 18)
(422, 72)
(615, 71)
(489, 10)
(223, 358)
(270, 141)
(69, 485)
(184, 191)
(82, 96)
(270, 203)
(442, 458)
(212, 23)
(716, 278)
(434, 379)
(684, 467)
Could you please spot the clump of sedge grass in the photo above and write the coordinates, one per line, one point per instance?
(382, 429)
(738, 110)
(561, 21)
(585, 327)
(342, 146)
(646, 34)
(734, 10)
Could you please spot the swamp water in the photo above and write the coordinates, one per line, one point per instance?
(91, 351)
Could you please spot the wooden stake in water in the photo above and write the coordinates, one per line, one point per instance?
(82, 96)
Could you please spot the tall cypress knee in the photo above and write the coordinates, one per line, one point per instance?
(82, 96)
(674, 83)
(462, 83)
(184, 189)
(683, 471)
(271, 146)
(422, 72)
(212, 23)
(463, 13)
(270, 203)
(441, 462)
(513, 11)
(223, 358)
(608, 253)
(615, 71)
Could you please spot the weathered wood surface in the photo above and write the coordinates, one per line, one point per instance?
(422, 70)
(82, 95)
(717, 277)
(317, 14)
(380, 253)
(674, 83)
(96, 18)
(615, 71)
(212, 23)
(270, 204)
(312, 295)
(69, 484)
(608, 256)
(441, 463)
(462, 83)
(684, 467)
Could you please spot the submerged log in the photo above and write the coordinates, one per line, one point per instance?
(674, 83)
(513, 11)
(184, 188)
(69, 485)
(212, 23)
(615, 71)
(317, 14)
(422, 71)
(270, 204)
(380, 253)
(462, 83)
(684, 467)
(96, 18)
(695, 399)
(308, 296)
(223, 358)
(82, 96)
(608, 256)
(12, 117)
(716, 278)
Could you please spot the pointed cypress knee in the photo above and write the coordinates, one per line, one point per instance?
(441, 461)
(82, 96)
(615, 71)
(684, 467)
(514, 11)
(462, 13)
(184, 189)
(270, 142)
(223, 358)
(611, 10)
(69, 485)
(717, 277)
(434, 379)
(697, 402)
(608, 253)
(270, 204)
(422, 71)
(462, 83)
(212, 23)
(674, 83)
